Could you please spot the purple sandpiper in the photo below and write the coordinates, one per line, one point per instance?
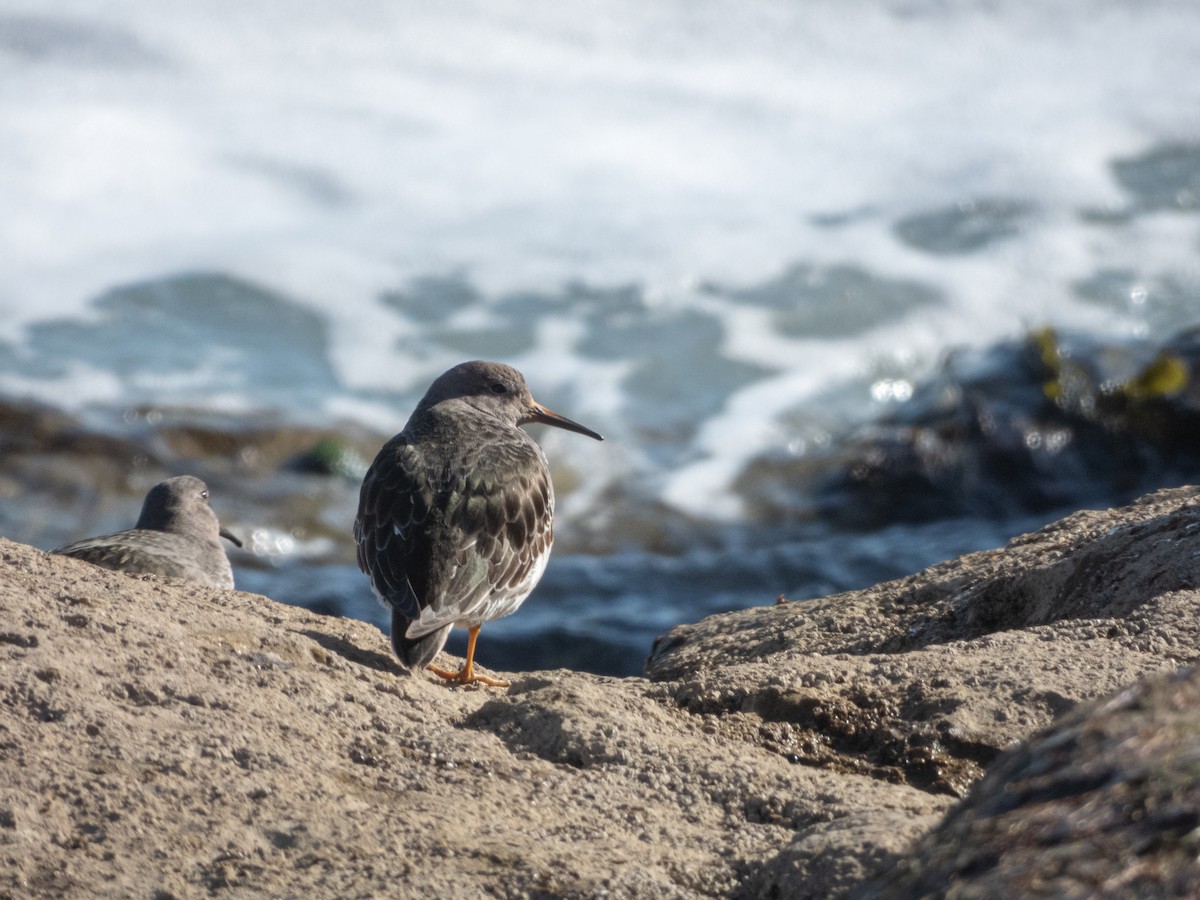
(177, 534)
(455, 517)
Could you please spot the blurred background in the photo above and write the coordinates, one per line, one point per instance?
(849, 288)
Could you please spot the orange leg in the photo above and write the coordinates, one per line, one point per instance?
(467, 674)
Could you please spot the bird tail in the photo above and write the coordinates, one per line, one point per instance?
(416, 653)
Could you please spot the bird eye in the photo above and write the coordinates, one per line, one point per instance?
(204, 495)
(499, 388)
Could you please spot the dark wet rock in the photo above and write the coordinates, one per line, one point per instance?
(332, 456)
(71, 478)
(55, 473)
(1044, 424)
(261, 450)
(25, 426)
(1106, 803)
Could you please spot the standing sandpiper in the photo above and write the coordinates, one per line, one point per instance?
(455, 517)
(177, 534)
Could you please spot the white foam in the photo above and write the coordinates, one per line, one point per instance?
(332, 153)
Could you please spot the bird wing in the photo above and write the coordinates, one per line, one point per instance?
(139, 551)
(394, 508)
(447, 544)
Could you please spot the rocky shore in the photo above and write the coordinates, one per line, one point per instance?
(1017, 722)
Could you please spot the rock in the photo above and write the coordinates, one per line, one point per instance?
(61, 477)
(1106, 804)
(165, 739)
(1037, 425)
(159, 738)
(925, 679)
(49, 455)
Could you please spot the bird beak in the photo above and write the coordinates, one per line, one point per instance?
(229, 536)
(539, 413)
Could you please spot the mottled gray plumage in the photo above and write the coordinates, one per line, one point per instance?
(455, 517)
(177, 534)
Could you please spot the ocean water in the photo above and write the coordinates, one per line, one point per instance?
(713, 232)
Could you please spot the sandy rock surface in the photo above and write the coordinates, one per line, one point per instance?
(161, 739)
(1105, 805)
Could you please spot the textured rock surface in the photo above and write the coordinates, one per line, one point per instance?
(163, 739)
(1106, 805)
(156, 737)
(961, 659)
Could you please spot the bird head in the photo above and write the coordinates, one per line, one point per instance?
(499, 391)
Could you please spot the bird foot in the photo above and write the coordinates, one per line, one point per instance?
(467, 675)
